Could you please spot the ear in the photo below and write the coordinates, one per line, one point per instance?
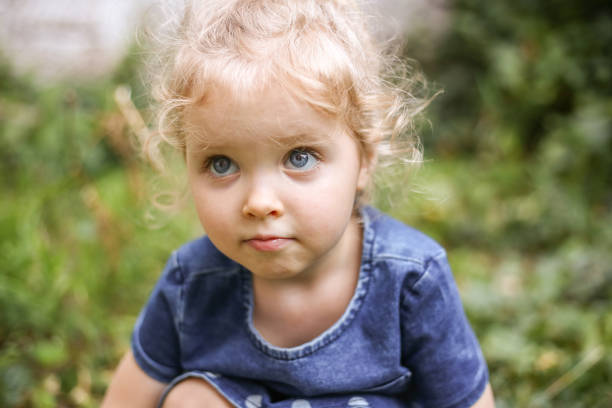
(368, 161)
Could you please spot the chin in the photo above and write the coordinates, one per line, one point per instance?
(274, 272)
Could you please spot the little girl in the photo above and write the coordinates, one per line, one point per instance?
(299, 295)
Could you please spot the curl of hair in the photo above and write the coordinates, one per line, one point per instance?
(320, 50)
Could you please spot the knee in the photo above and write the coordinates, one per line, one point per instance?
(195, 393)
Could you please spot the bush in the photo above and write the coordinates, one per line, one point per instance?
(519, 189)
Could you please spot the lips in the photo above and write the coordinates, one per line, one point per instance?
(268, 243)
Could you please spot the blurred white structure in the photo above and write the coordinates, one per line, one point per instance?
(84, 39)
(68, 38)
(395, 18)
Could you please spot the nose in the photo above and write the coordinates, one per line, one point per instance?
(262, 201)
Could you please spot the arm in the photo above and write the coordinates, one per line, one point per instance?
(131, 387)
(486, 399)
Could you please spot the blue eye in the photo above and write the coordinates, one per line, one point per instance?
(222, 166)
(301, 159)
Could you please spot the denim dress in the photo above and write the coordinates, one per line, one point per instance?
(403, 340)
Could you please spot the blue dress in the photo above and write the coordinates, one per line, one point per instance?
(403, 341)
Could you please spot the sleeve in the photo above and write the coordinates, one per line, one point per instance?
(155, 340)
(439, 346)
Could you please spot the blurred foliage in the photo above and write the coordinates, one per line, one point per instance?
(517, 187)
(78, 255)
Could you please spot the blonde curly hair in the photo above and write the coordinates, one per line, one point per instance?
(319, 50)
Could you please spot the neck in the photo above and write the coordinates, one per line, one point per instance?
(309, 304)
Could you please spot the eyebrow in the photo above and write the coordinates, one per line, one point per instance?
(300, 139)
(291, 140)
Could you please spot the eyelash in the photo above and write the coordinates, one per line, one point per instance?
(207, 166)
(304, 150)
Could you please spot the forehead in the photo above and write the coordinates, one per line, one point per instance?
(225, 116)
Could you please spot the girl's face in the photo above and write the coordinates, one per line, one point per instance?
(274, 183)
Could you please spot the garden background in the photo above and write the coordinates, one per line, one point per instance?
(517, 185)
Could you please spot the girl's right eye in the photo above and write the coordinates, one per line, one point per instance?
(221, 166)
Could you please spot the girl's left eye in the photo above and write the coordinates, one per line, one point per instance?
(301, 159)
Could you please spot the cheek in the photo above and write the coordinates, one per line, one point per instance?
(327, 194)
(213, 211)
(217, 225)
(326, 206)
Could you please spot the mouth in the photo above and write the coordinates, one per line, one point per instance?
(268, 243)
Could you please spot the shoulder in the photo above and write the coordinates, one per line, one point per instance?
(392, 241)
(199, 257)
(415, 261)
(438, 345)
(393, 237)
